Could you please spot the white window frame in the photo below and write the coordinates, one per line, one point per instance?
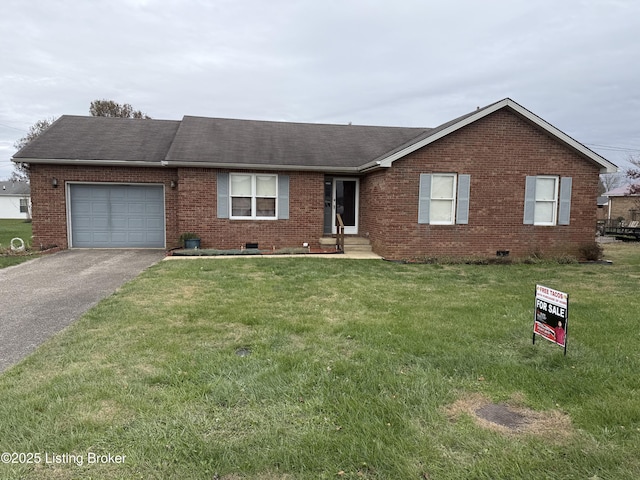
(452, 199)
(554, 202)
(254, 197)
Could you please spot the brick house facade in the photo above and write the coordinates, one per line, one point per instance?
(497, 179)
(498, 169)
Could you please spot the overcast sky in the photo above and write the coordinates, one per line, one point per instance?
(402, 63)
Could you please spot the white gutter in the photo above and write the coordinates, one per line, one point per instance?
(66, 161)
(179, 164)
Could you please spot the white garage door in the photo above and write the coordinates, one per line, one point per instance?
(109, 216)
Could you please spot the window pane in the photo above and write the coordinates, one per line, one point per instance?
(241, 185)
(265, 186)
(265, 207)
(544, 212)
(545, 189)
(241, 207)
(442, 186)
(441, 211)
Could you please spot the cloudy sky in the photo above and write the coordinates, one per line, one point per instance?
(575, 63)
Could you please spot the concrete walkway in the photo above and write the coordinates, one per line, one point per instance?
(39, 298)
(344, 256)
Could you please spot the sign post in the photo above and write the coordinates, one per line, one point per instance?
(551, 315)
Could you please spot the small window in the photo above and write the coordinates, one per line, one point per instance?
(443, 199)
(253, 196)
(24, 205)
(546, 201)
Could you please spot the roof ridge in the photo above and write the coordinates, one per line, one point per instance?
(287, 122)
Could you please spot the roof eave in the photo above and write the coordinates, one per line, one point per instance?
(605, 165)
(84, 162)
(260, 166)
(182, 164)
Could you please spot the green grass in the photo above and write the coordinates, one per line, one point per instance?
(10, 229)
(353, 369)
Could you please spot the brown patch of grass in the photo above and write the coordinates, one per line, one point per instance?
(260, 476)
(552, 425)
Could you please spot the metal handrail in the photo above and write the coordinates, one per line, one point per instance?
(340, 233)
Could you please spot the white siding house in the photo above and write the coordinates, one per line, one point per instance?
(15, 200)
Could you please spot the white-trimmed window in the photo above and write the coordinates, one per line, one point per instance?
(442, 206)
(547, 200)
(24, 205)
(253, 196)
(443, 198)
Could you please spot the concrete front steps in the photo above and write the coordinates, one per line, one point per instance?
(352, 244)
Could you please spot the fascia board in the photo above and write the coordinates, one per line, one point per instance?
(261, 166)
(96, 163)
(179, 164)
(605, 165)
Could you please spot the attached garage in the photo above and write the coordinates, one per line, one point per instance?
(116, 216)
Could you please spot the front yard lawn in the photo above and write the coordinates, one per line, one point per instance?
(10, 229)
(304, 368)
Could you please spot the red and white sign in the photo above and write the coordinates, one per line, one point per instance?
(551, 315)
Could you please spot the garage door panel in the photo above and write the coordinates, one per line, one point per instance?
(119, 207)
(153, 209)
(82, 208)
(83, 221)
(99, 224)
(154, 224)
(98, 208)
(100, 237)
(117, 216)
(136, 223)
(118, 224)
(136, 208)
(83, 237)
(136, 237)
(136, 195)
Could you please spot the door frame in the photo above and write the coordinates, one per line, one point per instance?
(348, 230)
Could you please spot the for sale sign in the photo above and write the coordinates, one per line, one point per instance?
(551, 315)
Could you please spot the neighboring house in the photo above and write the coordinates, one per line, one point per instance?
(623, 204)
(497, 179)
(602, 208)
(15, 200)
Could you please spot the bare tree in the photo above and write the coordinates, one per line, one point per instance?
(21, 170)
(634, 172)
(109, 108)
(609, 181)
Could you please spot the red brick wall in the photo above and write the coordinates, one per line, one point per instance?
(198, 213)
(498, 152)
(191, 207)
(49, 204)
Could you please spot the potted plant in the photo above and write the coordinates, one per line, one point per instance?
(190, 240)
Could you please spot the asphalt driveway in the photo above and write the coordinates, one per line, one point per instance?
(41, 297)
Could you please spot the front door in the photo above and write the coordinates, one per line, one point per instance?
(345, 203)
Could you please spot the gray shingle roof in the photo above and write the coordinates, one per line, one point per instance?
(249, 142)
(15, 188)
(218, 142)
(102, 138)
